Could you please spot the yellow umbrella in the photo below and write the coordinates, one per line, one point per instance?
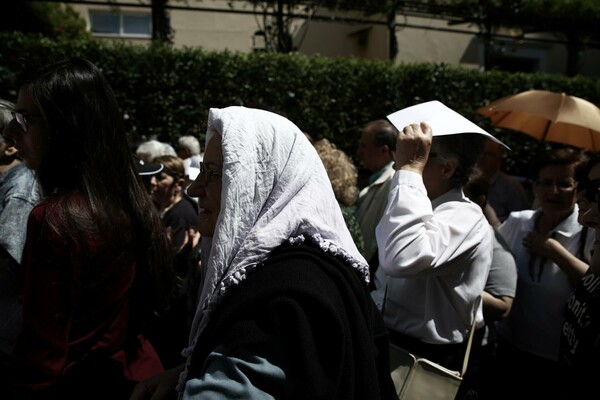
(548, 116)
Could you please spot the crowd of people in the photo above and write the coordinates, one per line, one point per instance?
(260, 269)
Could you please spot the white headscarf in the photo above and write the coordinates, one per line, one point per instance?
(275, 189)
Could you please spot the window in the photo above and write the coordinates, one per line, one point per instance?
(131, 24)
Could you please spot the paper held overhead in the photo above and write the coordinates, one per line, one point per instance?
(442, 119)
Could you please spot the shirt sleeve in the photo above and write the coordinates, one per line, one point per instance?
(13, 219)
(233, 376)
(413, 239)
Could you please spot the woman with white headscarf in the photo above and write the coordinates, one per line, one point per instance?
(284, 309)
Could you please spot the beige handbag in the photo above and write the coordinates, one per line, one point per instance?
(417, 378)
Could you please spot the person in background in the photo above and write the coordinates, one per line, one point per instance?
(147, 173)
(506, 194)
(96, 265)
(552, 256)
(177, 211)
(435, 245)
(150, 149)
(375, 148)
(19, 193)
(344, 177)
(498, 294)
(580, 333)
(179, 215)
(284, 310)
(188, 149)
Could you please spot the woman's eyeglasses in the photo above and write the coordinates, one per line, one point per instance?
(206, 173)
(563, 185)
(590, 188)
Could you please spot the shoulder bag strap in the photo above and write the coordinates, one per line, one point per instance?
(471, 333)
(470, 342)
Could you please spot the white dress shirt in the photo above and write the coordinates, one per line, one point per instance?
(435, 259)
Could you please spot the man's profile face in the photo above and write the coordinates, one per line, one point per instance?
(372, 156)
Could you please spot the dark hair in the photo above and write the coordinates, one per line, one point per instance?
(561, 156)
(465, 147)
(582, 173)
(384, 133)
(478, 185)
(90, 172)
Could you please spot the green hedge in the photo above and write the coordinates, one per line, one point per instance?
(166, 93)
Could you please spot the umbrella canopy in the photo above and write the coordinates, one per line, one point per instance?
(548, 116)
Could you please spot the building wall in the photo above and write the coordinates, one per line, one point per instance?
(214, 30)
(427, 40)
(216, 27)
(342, 39)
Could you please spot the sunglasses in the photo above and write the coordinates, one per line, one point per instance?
(23, 119)
(590, 188)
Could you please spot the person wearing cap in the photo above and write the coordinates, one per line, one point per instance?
(147, 172)
(435, 245)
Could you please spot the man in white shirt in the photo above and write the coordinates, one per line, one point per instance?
(435, 245)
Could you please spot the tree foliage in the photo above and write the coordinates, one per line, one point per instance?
(52, 20)
(329, 98)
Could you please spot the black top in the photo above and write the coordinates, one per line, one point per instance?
(179, 218)
(318, 316)
(580, 336)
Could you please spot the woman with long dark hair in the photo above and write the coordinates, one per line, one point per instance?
(96, 265)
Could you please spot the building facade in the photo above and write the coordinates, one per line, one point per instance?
(241, 27)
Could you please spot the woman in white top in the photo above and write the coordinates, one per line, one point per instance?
(551, 257)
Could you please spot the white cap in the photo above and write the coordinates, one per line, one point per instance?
(442, 119)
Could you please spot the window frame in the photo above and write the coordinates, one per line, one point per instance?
(121, 25)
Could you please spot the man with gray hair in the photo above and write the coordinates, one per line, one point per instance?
(435, 245)
(19, 193)
(150, 149)
(188, 149)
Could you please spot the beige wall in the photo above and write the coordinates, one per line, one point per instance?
(220, 30)
(214, 30)
(431, 45)
(339, 39)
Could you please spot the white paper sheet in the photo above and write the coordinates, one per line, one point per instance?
(442, 119)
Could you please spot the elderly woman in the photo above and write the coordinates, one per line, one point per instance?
(284, 310)
(551, 253)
